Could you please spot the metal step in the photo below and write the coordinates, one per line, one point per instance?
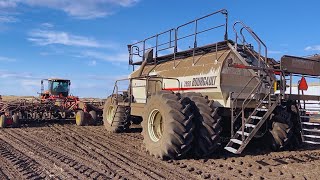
(245, 133)
(246, 137)
(250, 125)
(311, 124)
(312, 142)
(256, 117)
(312, 136)
(262, 109)
(237, 141)
(231, 149)
(307, 117)
(312, 130)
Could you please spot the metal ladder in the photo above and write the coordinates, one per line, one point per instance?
(251, 125)
(310, 131)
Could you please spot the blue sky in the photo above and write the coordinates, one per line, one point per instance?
(85, 40)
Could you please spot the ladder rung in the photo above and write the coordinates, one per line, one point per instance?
(262, 109)
(245, 133)
(237, 141)
(231, 149)
(311, 124)
(250, 125)
(305, 117)
(312, 136)
(312, 130)
(265, 102)
(310, 110)
(256, 117)
(312, 142)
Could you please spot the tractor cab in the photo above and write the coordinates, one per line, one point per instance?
(56, 87)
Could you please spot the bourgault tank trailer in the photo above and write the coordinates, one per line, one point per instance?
(189, 100)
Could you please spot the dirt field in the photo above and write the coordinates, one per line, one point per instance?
(66, 151)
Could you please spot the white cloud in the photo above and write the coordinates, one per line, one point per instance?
(313, 48)
(121, 57)
(47, 25)
(106, 77)
(92, 63)
(4, 4)
(46, 37)
(7, 74)
(6, 59)
(275, 52)
(7, 19)
(83, 9)
(28, 82)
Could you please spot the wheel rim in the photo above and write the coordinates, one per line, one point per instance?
(2, 121)
(78, 118)
(110, 114)
(155, 125)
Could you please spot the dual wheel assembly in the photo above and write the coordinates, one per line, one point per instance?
(6, 121)
(115, 117)
(85, 118)
(177, 124)
(173, 124)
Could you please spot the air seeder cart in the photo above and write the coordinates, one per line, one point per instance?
(190, 99)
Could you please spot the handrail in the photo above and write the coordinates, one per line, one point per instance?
(245, 86)
(255, 36)
(246, 102)
(235, 102)
(147, 79)
(134, 49)
(244, 105)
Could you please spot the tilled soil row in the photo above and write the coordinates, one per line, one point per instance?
(127, 149)
(65, 165)
(57, 151)
(15, 164)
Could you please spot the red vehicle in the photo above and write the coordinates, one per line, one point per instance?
(55, 103)
(66, 106)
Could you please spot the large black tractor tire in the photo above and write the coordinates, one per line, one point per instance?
(296, 140)
(94, 119)
(167, 126)
(16, 121)
(115, 117)
(207, 125)
(2, 121)
(80, 118)
(282, 129)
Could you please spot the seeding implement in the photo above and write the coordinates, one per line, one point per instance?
(55, 103)
(212, 96)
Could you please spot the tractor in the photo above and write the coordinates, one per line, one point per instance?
(66, 106)
(54, 103)
(211, 97)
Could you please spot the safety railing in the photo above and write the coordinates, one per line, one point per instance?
(116, 92)
(141, 47)
(245, 45)
(245, 102)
